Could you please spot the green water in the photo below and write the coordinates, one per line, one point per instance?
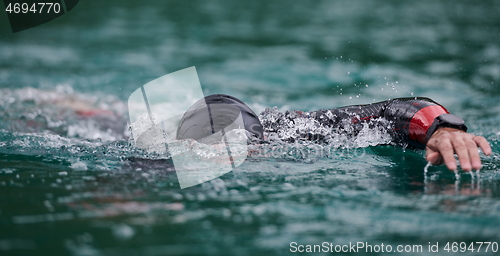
(72, 185)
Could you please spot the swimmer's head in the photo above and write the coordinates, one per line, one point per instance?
(215, 114)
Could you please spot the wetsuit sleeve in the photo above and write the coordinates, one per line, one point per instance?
(408, 118)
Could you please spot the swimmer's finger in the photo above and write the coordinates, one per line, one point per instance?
(446, 151)
(433, 157)
(483, 144)
(473, 153)
(462, 151)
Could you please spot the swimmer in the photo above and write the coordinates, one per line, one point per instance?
(415, 122)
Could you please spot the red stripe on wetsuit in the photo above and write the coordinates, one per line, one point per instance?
(422, 120)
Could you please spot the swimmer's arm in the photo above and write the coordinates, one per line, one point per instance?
(446, 141)
(413, 118)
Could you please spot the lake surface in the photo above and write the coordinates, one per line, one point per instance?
(72, 183)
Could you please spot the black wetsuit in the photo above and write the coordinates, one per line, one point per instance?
(407, 120)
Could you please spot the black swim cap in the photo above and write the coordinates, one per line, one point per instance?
(215, 113)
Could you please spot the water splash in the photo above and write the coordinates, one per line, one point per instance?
(314, 127)
(63, 112)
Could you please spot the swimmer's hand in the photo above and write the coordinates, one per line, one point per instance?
(447, 141)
